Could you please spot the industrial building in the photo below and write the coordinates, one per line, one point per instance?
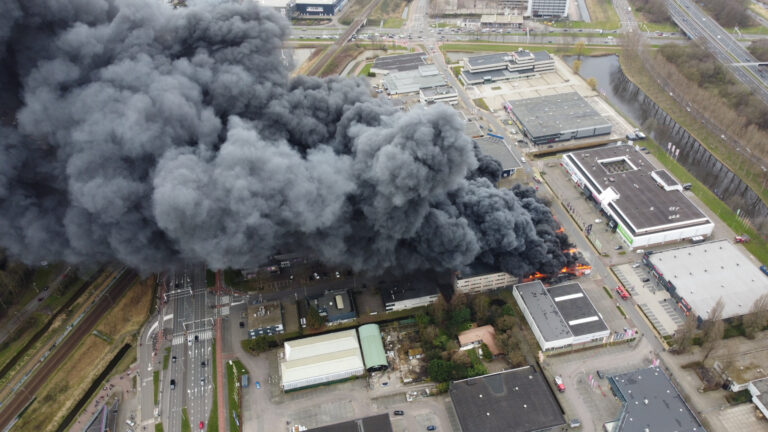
(560, 316)
(697, 276)
(501, 21)
(265, 319)
(373, 347)
(320, 359)
(516, 400)
(479, 278)
(644, 205)
(488, 68)
(336, 306)
(377, 423)
(650, 403)
(398, 63)
(408, 292)
(548, 8)
(411, 81)
(557, 117)
(477, 336)
(498, 149)
(319, 7)
(444, 94)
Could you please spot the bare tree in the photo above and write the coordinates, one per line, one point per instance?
(684, 335)
(576, 66)
(592, 83)
(757, 318)
(714, 328)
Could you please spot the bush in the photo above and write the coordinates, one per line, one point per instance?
(486, 352)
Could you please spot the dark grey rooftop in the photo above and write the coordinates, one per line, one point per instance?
(642, 204)
(517, 400)
(666, 177)
(472, 130)
(407, 287)
(400, 62)
(553, 114)
(576, 309)
(328, 303)
(498, 150)
(541, 56)
(652, 403)
(543, 310)
(488, 59)
(377, 423)
(496, 74)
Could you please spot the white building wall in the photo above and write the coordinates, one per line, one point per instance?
(755, 393)
(410, 303)
(484, 282)
(545, 345)
(322, 379)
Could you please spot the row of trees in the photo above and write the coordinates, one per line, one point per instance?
(729, 13)
(655, 11)
(712, 329)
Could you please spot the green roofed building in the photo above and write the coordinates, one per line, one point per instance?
(373, 348)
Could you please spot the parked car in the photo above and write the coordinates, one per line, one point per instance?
(574, 423)
(242, 324)
(257, 384)
(431, 427)
(646, 279)
(399, 412)
(559, 383)
(600, 374)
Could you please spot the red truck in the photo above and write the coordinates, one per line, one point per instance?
(622, 292)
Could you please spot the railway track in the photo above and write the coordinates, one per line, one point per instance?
(27, 392)
(332, 50)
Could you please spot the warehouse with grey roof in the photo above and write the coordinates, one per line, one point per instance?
(651, 403)
(516, 400)
(559, 316)
(497, 148)
(398, 63)
(644, 205)
(558, 117)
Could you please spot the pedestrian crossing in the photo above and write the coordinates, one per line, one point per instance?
(202, 335)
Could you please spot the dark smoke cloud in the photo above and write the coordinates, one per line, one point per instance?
(154, 136)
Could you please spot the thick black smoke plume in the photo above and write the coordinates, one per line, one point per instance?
(153, 136)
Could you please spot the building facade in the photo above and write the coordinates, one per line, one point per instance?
(548, 8)
(473, 284)
(489, 68)
(319, 7)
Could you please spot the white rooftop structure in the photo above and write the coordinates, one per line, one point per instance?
(703, 273)
(320, 359)
(411, 81)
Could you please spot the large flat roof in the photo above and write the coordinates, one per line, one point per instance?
(320, 356)
(497, 149)
(652, 403)
(377, 423)
(543, 310)
(517, 400)
(400, 62)
(576, 309)
(409, 81)
(643, 205)
(554, 114)
(705, 272)
(407, 288)
(488, 59)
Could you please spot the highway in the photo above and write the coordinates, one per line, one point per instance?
(191, 343)
(29, 389)
(726, 49)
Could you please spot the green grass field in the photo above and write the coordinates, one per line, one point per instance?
(365, 70)
(156, 383)
(481, 104)
(158, 427)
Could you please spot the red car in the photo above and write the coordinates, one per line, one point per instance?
(202, 425)
(559, 383)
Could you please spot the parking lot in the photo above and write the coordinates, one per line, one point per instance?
(655, 302)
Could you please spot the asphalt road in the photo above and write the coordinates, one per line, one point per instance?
(25, 394)
(698, 25)
(191, 317)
